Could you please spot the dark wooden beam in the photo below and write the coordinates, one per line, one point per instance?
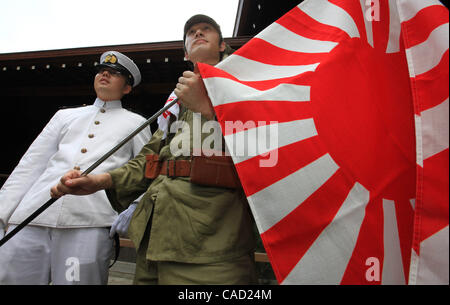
(164, 48)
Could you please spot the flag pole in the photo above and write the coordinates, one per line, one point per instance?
(87, 171)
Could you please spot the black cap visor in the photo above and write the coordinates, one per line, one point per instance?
(120, 68)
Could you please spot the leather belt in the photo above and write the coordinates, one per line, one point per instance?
(215, 171)
(176, 168)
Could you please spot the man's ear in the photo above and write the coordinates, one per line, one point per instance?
(126, 89)
(186, 55)
(223, 46)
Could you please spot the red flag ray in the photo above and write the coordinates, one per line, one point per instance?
(309, 148)
(369, 245)
(265, 139)
(358, 13)
(273, 55)
(291, 238)
(435, 217)
(432, 86)
(425, 21)
(302, 24)
(335, 243)
(279, 111)
(380, 30)
(256, 71)
(285, 39)
(213, 72)
(238, 92)
(329, 14)
(290, 191)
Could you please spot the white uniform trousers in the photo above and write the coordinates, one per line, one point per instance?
(42, 255)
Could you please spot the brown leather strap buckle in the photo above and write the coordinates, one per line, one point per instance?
(217, 171)
(152, 167)
(171, 170)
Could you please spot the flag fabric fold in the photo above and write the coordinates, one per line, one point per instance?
(336, 117)
(164, 118)
(425, 30)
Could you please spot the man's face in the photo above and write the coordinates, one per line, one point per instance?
(203, 41)
(110, 84)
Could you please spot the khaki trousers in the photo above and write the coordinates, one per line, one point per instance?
(239, 271)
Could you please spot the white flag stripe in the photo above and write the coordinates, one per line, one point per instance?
(410, 60)
(367, 23)
(413, 267)
(232, 91)
(283, 38)
(429, 53)
(257, 71)
(419, 146)
(277, 200)
(394, 28)
(326, 260)
(393, 273)
(330, 14)
(433, 267)
(410, 8)
(279, 135)
(435, 129)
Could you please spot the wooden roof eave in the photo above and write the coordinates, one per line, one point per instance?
(142, 48)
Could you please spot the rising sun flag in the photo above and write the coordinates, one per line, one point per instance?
(358, 93)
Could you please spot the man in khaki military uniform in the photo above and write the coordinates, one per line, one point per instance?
(184, 232)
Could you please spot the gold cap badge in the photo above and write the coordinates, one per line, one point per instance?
(110, 58)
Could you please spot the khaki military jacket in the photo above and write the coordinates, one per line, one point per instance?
(188, 222)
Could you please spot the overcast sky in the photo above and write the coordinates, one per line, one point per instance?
(31, 25)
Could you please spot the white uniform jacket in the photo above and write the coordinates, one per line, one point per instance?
(75, 137)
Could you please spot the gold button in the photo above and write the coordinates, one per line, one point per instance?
(77, 168)
(96, 122)
(83, 150)
(91, 135)
(102, 110)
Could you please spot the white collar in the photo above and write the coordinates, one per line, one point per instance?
(107, 105)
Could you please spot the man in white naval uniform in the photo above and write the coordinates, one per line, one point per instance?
(69, 243)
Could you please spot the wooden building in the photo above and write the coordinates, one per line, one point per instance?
(34, 85)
